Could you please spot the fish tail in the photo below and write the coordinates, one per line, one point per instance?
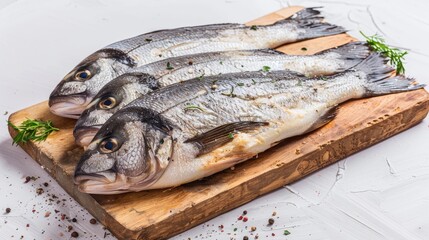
(307, 13)
(351, 53)
(381, 77)
(314, 29)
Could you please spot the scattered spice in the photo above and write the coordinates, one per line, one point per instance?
(271, 221)
(93, 221)
(274, 213)
(27, 179)
(47, 214)
(240, 218)
(169, 67)
(7, 210)
(297, 151)
(244, 212)
(245, 219)
(5, 113)
(273, 234)
(245, 238)
(190, 63)
(74, 234)
(286, 232)
(253, 228)
(74, 220)
(45, 184)
(254, 27)
(39, 191)
(28, 225)
(303, 49)
(69, 228)
(235, 229)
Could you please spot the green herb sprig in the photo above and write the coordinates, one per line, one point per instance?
(193, 107)
(395, 55)
(32, 129)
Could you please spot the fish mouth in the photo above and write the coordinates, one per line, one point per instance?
(107, 182)
(70, 106)
(84, 135)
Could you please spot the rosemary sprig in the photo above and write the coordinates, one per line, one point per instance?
(395, 55)
(32, 129)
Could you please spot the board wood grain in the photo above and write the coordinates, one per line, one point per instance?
(158, 214)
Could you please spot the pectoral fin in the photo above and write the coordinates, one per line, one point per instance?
(221, 135)
(324, 119)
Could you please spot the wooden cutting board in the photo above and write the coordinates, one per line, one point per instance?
(159, 214)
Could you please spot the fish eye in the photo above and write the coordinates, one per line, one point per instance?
(83, 75)
(107, 103)
(109, 145)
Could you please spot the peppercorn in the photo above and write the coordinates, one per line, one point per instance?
(245, 238)
(74, 234)
(93, 221)
(270, 221)
(8, 210)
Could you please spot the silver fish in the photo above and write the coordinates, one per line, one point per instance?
(189, 130)
(79, 86)
(127, 87)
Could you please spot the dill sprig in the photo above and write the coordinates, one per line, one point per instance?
(395, 55)
(32, 129)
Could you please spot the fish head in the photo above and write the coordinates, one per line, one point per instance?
(71, 96)
(110, 99)
(127, 154)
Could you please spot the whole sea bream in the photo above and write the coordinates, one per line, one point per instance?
(190, 130)
(127, 87)
(78, 87)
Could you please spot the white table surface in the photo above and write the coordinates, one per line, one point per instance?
(379, 193)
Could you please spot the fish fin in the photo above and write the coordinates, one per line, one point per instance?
(306, 13)
(324, 119)
(379, 80)
(318, 29)
(351, 53)
(221, 135)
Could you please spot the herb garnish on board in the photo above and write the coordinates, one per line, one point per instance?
(32, 129)
(395, 55)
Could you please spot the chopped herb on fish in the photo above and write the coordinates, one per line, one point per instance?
(148, 40)
(202, 76)
(231, 135)
(240, 84)
(169, 67)
(395, 55)
(303, 49)
(31, 129)
(193, 107)
(254, 27)
(266, 69)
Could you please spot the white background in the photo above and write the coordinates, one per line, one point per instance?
(379, 193)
